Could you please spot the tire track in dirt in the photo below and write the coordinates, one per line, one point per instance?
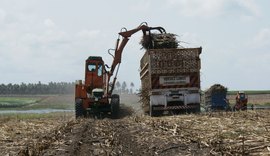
(128, 135)
(87, 137)
(96, 137)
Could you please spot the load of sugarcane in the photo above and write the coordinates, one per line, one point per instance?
(159, 41)
(144, 100)
(216, 88)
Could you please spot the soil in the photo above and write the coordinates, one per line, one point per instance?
(129, 135)
(219, 133)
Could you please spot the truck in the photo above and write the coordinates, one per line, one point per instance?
(170, 80)
(216, 98)
(94, 96)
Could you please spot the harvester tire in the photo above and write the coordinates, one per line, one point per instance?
(79, 110)
(115, 102)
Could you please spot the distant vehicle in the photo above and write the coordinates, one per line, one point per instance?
(216, 98)
(241, 101)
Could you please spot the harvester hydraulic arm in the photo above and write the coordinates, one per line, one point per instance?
(119, 47)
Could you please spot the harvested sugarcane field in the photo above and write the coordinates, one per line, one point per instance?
(133, 133)
(134, 78)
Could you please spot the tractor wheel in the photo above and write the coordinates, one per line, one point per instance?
(115, 102)
(79, 110)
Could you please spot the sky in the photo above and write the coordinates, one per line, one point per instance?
(49, 40)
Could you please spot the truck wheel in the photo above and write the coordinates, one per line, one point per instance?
(154, 113)
(151, 111)
(115, 102)
(79, 110)
(197, 109)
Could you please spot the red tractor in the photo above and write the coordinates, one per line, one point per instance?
(241, 101)
(95, 95)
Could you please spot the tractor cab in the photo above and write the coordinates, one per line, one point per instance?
(94, 70)
(242, 95)
(241, 101)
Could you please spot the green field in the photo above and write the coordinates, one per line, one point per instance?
(37, 102)
(25, 116)
(16, 102)
(250, 92)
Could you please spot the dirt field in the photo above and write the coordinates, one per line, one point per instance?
(231, 133)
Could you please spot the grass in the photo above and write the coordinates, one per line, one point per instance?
(50, 106)
(19, 103)
(250, 92)
(25, 116)
(16, 102)
(37, 102)
(261, 104)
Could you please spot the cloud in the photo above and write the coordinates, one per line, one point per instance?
(189, 39)
(88, 33)
(39, 50)
(215, 8)
(206, 8)
(250, 6)
(49, 23)
(141, 6)
(262, 38)
(2, 15)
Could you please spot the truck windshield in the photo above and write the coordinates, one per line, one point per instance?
(99, 69)
(91, 67)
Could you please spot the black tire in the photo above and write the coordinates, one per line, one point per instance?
(154, 113)
(229, 108)
(197, 109)
(151, 111)
(244, 108)
(115, 103)
(176, 112)
(208, 109)
(79, 110)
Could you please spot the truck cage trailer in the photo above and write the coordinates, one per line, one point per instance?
(170, 80)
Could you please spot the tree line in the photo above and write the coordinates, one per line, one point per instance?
(37, 88)
(54, 88)
(124, 88)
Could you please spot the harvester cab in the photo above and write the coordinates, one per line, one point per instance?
(94, 75)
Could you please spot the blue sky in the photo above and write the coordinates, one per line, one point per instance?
(48, 40)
